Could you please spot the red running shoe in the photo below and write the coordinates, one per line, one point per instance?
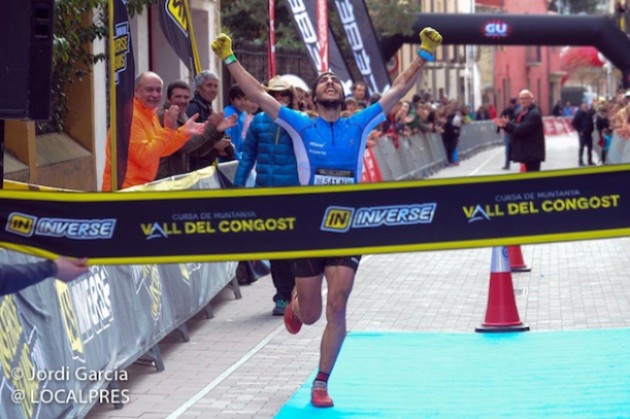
(320, 397)
(291, 321)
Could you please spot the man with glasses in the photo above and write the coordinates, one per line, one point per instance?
(527, 141)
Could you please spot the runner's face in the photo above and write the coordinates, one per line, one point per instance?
(329, 89)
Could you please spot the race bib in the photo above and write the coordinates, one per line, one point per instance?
(333, 177)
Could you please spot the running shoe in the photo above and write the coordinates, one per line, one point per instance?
(291, 321)
(280, 307)
(319, 396)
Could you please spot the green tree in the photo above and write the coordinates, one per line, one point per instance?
(391, 17)
(77, 23)
(588, 7)
(583, 6)
(249, 19)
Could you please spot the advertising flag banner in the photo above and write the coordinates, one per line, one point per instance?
(313, 221)
(305, 15)
(271, 43)
(174, 16)
(322, 33)
(123, 75)
(365, 45)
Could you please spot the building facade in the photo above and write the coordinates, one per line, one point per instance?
(471, 74)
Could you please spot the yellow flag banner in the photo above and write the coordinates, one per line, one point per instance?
(174, 17)
(122, 79)
(272, 223)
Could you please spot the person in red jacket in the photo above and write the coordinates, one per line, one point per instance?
(148, 141)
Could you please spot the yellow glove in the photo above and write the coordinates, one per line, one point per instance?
(430, 39)
(222, 47)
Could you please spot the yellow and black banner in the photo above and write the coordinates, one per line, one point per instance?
(273, 223)
(174, 16)
(122, 80)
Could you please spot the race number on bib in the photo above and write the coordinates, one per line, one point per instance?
(333, 177)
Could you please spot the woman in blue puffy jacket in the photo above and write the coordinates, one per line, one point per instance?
(269, 149)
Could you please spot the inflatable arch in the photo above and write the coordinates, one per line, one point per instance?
(502, 29)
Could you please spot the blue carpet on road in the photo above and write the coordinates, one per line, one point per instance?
(576, 374)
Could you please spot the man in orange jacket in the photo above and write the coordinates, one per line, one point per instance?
(148, 141)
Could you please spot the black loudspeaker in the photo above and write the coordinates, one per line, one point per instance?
(26, 33)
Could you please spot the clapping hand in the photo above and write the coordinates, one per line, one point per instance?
(501, 122)
(193, 128)
(220, 123)
(215, 119)
(170, 117)
(227, 123)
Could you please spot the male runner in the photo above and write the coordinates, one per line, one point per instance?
(329, 150)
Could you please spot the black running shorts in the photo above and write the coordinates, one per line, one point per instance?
(315, 266)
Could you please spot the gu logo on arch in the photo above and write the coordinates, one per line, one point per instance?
(496, 29)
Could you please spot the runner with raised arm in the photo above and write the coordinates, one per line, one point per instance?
(329, 150)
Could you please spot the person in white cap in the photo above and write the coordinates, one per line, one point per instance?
(269, 148)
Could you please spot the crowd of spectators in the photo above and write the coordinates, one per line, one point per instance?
(423, 115)
(611, 117)
(597, 121)
(222, 140)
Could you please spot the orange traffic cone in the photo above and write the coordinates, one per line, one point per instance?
(501, 313)
(517, 263)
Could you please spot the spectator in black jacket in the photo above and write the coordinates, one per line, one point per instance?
(206, 91)
(602, 125)
(557, 110)
(450, 136)
(15, 277)
(527, 143)
(584, 125)
(510, 113)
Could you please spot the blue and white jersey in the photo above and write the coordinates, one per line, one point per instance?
(329, 153)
